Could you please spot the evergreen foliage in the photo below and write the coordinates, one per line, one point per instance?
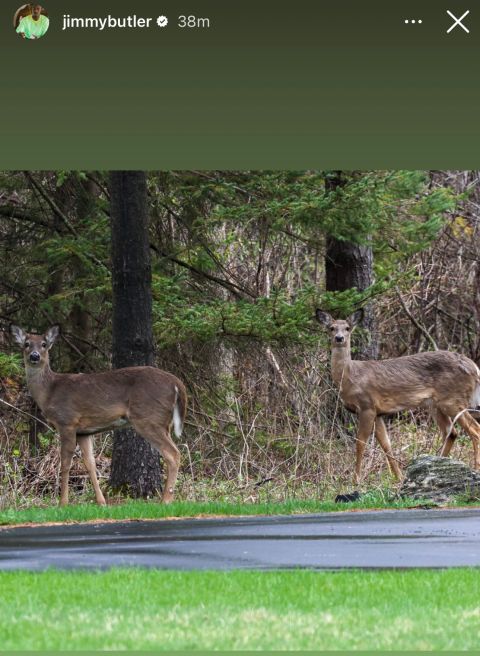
(238, 268)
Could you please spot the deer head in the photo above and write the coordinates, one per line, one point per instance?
(35, 347)
(340, 329)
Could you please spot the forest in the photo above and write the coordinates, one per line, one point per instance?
(234, 266)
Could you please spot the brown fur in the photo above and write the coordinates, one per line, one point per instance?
(79, 405)
(447, 382)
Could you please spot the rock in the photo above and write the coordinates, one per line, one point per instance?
(439, 479)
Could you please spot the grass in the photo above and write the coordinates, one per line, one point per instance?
(162, 610)
(153, 510)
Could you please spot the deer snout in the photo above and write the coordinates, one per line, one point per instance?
(339, 339)
(34, 357)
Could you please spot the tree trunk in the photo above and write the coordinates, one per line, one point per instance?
(350, 265)
(79, 318)
(135, 464)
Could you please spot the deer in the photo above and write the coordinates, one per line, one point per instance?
(79, 405)
(448, 383)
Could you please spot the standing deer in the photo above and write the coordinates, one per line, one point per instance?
(448, 382)
(79, 405)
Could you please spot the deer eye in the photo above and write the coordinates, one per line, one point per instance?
(27, 344)
(347, 328)
(332, 327)
(44, 344)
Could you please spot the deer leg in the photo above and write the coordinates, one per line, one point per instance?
(384, 441)
(470, 426)
(162, 441)
(86, 445)
(67, 449)
(365, 426)
(171, 456)
(448, 432)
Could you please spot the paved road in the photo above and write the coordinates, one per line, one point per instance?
(371, 540)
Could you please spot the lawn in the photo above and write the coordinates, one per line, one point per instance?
(82, 512)
(149, 609)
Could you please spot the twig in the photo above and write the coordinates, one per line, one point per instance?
(416, 323)
(23, 412)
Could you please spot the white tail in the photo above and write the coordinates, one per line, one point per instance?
(79, 405)
(448, 382)
(177, 416)
(475, 400)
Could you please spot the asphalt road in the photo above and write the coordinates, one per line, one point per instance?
(370, 540)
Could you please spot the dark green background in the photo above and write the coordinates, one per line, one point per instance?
(271, 84)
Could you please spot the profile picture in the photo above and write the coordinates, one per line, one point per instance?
(31, 21)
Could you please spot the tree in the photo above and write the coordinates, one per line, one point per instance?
(348, 265)
(238, 267)
(135, 464)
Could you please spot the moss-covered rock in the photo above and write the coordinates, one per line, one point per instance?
(440, 479)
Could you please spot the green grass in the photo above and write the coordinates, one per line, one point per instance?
(154, 510)
(162, 610)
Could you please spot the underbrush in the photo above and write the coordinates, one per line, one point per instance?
(239, 463)
(34, 480)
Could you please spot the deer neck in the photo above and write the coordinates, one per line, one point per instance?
(38, 382)
(341, 363)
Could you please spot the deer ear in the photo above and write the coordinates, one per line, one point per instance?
(356, 317)
(18, 334)
(323, 317)
(52, 334)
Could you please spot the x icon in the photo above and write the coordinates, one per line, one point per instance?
(458, 21)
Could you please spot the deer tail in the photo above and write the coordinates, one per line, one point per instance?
(179, 410)
(475, 400)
